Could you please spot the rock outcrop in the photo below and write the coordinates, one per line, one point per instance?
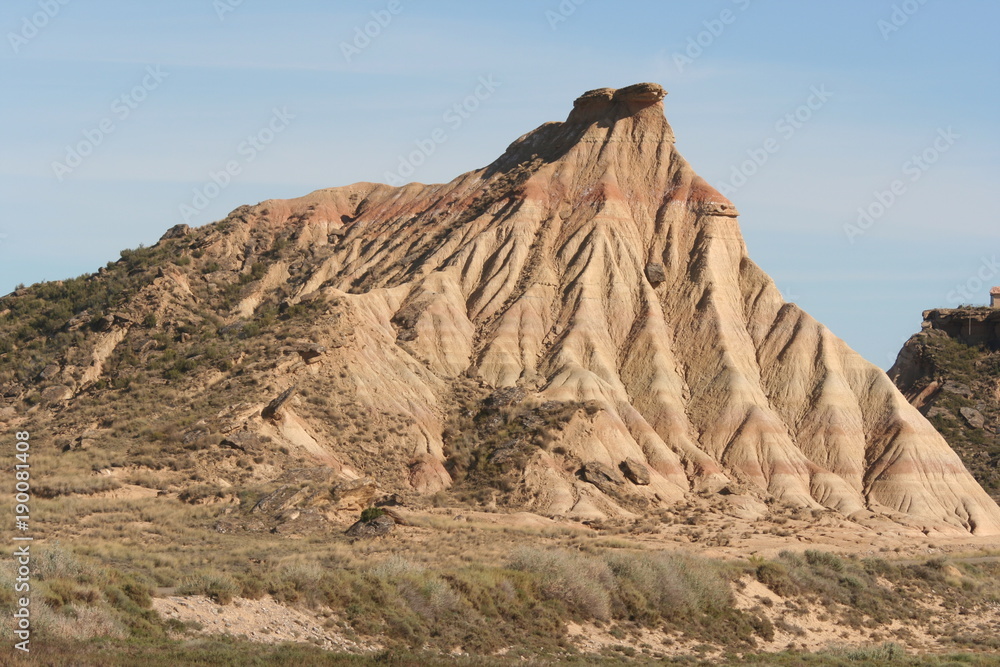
(379, 526)
(591, 263)
(588, 280)
(950, 371)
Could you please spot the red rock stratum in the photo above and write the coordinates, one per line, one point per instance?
(590, 263)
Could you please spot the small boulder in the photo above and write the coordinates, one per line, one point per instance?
(636, 472)
(176, 232)
(957, 388)
(311, 352)
(502, 398)
(56, 393)
(428, 475)
(79, 320)
(602, 476)
(378, 527)
(640, 93)
(48, 372)
(244, 441)
(281, 499)
(655, 273)
(271, 411)
(974, 418)
(354, 494)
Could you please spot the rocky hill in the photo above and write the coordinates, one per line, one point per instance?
(950, 371)
(575, 330)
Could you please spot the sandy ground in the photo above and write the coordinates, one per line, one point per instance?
(263, 620)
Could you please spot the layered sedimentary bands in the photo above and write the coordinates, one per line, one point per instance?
(588, 267)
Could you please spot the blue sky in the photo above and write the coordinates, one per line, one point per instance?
(162, 95)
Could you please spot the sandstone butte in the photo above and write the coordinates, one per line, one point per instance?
(590, 263)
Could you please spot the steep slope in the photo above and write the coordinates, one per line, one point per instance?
(950, 371)
(575, 329)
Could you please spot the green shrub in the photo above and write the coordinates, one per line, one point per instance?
(824, 559)
(775, 577)
(220, 588)
(371, 513)
(578, 581)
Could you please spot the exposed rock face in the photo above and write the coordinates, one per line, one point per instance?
(603, 477)
(377, 527)
(176, 232)
(56, 393)
(974, 418)
(534, 272)
(636, 472)
(655, 274)
(587, 266)
(950, 371)
(971, 326)
(244, 441)
(355, 494)
(273, 408)
(428, 474)
(311, 353)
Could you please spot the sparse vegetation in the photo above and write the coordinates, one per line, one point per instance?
(138, 482)
(967, 378)
(372, 513)
(489, 441)
(521, 603)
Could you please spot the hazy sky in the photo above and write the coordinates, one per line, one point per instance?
(116, 115)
